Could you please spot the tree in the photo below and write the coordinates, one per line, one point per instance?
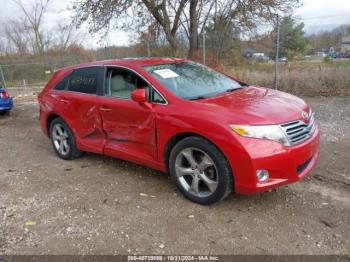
(323, 41)
(222, 38)
(293, 40)
(2, 44)
(29, 34)
(18, 37)
(33, 16)
(66, 35)
(176, 16)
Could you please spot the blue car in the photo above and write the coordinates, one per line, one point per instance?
(6, 102)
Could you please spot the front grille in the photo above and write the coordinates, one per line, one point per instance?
(298, 131)
(303, 166)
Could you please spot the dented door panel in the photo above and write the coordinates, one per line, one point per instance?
(86, 121)
(129, 128)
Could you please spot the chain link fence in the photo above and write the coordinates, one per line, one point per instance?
(27, 76)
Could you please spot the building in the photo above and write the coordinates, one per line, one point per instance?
(345, 44)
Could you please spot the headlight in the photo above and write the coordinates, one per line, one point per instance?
(272, 132)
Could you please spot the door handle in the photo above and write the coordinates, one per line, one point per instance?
(105, 109)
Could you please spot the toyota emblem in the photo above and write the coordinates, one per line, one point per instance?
(305, 115)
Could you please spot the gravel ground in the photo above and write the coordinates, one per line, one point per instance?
(99, 205)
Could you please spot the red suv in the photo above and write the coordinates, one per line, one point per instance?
(213, 133)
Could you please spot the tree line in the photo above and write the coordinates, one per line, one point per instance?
(166, 28)
(27, 32)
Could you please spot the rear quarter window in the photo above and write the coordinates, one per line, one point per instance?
(63, 84)
(84, 80)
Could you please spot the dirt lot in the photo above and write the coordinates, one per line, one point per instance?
(93, 205)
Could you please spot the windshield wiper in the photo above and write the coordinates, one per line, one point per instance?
(232, 89)
(215, 94)
(197, 97)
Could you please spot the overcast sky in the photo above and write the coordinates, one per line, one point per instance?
(318, 15)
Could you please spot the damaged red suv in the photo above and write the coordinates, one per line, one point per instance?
(213, 133)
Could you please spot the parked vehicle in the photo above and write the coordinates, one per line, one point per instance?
(6, 102)
(283, 59)
(213, 133)
(261, 57)
(322, 54)
(334, 54)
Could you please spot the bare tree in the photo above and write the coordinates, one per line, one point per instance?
(2, 46)
(19, 37)
(29, 33)
(189, 15)
(66, 35)
(101, 13)
(323, 41)
(33, 15)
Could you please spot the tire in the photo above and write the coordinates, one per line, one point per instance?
(63, 140)
(206, 177)
(4, 112)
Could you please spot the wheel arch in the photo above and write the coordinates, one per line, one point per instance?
(180, 136)
(49, 120)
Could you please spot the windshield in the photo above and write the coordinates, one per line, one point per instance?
(192, 81)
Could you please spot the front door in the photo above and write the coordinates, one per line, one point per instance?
(129, 127)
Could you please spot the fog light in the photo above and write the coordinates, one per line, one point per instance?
(262, 175)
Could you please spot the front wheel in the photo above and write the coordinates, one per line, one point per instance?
(63, 140)
(200, 171)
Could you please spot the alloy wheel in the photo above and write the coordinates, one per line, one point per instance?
(196, 172)
(60, 139)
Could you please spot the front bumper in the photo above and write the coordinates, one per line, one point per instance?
(285, 164)
(6, 104)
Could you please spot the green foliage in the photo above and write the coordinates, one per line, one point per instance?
(292, 38)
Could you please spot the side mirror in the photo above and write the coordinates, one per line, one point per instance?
(139, 96)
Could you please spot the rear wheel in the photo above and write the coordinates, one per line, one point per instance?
(200, 171)
(63, 140)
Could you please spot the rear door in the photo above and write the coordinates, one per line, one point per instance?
(79, 99)
(129, 127)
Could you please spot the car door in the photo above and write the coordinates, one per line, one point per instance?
(80, 107)
(129, 127)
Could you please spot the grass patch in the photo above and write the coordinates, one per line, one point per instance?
(308, 78)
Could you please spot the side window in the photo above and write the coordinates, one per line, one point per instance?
(121, 82)
(62, 85)
(157, 98)
(154, 96)
(84, 80)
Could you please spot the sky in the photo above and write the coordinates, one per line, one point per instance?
(317, 15)
(321, 15)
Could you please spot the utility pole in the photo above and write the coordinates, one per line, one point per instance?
(275, 82)
(203, 46)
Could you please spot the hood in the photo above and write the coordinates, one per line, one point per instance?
(257, 106)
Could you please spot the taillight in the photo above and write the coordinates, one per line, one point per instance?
(4, 95)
